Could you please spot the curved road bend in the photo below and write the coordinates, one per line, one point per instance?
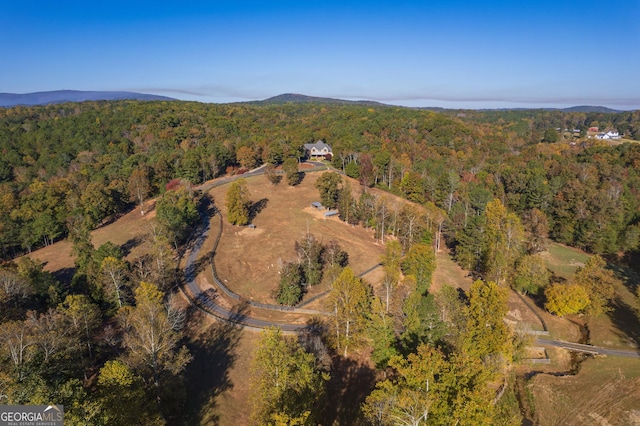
(209, 304)
(204, 299)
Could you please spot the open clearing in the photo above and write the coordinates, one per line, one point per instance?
(248, 260)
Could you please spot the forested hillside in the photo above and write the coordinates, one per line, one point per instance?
(89, 158)
(493, 186)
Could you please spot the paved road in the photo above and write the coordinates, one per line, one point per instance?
(588, 348)
(206, 300)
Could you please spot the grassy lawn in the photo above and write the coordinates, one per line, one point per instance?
(563, 260)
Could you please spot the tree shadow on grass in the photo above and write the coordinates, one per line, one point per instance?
(629, 277)
(625, 319)
(207, 375)
(64, 275)
(351, 382)
(130, 244)
(256, 208)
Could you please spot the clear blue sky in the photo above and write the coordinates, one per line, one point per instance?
(473, 54)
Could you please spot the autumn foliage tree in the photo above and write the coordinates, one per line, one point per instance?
(150, 339)
(238, 203)
(285, 381)
(350, 302)
(139, 186)
(566, 299)
(486, 334)
(427, 388)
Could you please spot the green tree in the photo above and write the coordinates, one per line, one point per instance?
(285, 381)
(329, 186)
(238, 203)
(290, 288)
(99, 202)
(550, 136)
(84, 318)
(381, 333)
(123, 397)
(531, 275)
(429, 389)
(350, 301)
(177, 214)
(310, 251)
(290, 167)
(599, 282)
(420, 261)
(352, 170)
(421, 321)
(347, 205)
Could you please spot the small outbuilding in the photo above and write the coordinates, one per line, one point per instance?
(331, 213)
(252, 226)
(317, 205)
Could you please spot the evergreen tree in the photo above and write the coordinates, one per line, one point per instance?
(238, 203)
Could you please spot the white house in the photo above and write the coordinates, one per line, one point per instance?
(609, 135)
(317, 150)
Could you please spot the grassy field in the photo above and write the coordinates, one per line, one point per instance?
(563, 261)
(248, 259)
(604, 392)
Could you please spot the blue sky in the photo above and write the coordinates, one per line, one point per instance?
(467, 54)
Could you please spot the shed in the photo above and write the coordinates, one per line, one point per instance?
(317, 205)
(252, 226)
(331, 213)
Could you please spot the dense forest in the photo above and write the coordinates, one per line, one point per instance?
(495, 185)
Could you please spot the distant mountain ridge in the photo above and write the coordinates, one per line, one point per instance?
(298, 98)
(60, 96)
(8, 100)
(589, 108)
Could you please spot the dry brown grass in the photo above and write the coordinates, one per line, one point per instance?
(130, 230)
(602, 393)
(248, 260)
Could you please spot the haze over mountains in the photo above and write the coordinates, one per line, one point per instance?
(60, 96)
(8, 100)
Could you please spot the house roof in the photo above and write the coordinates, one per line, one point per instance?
(319, 145)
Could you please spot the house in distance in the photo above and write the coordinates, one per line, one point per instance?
(318, 151)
